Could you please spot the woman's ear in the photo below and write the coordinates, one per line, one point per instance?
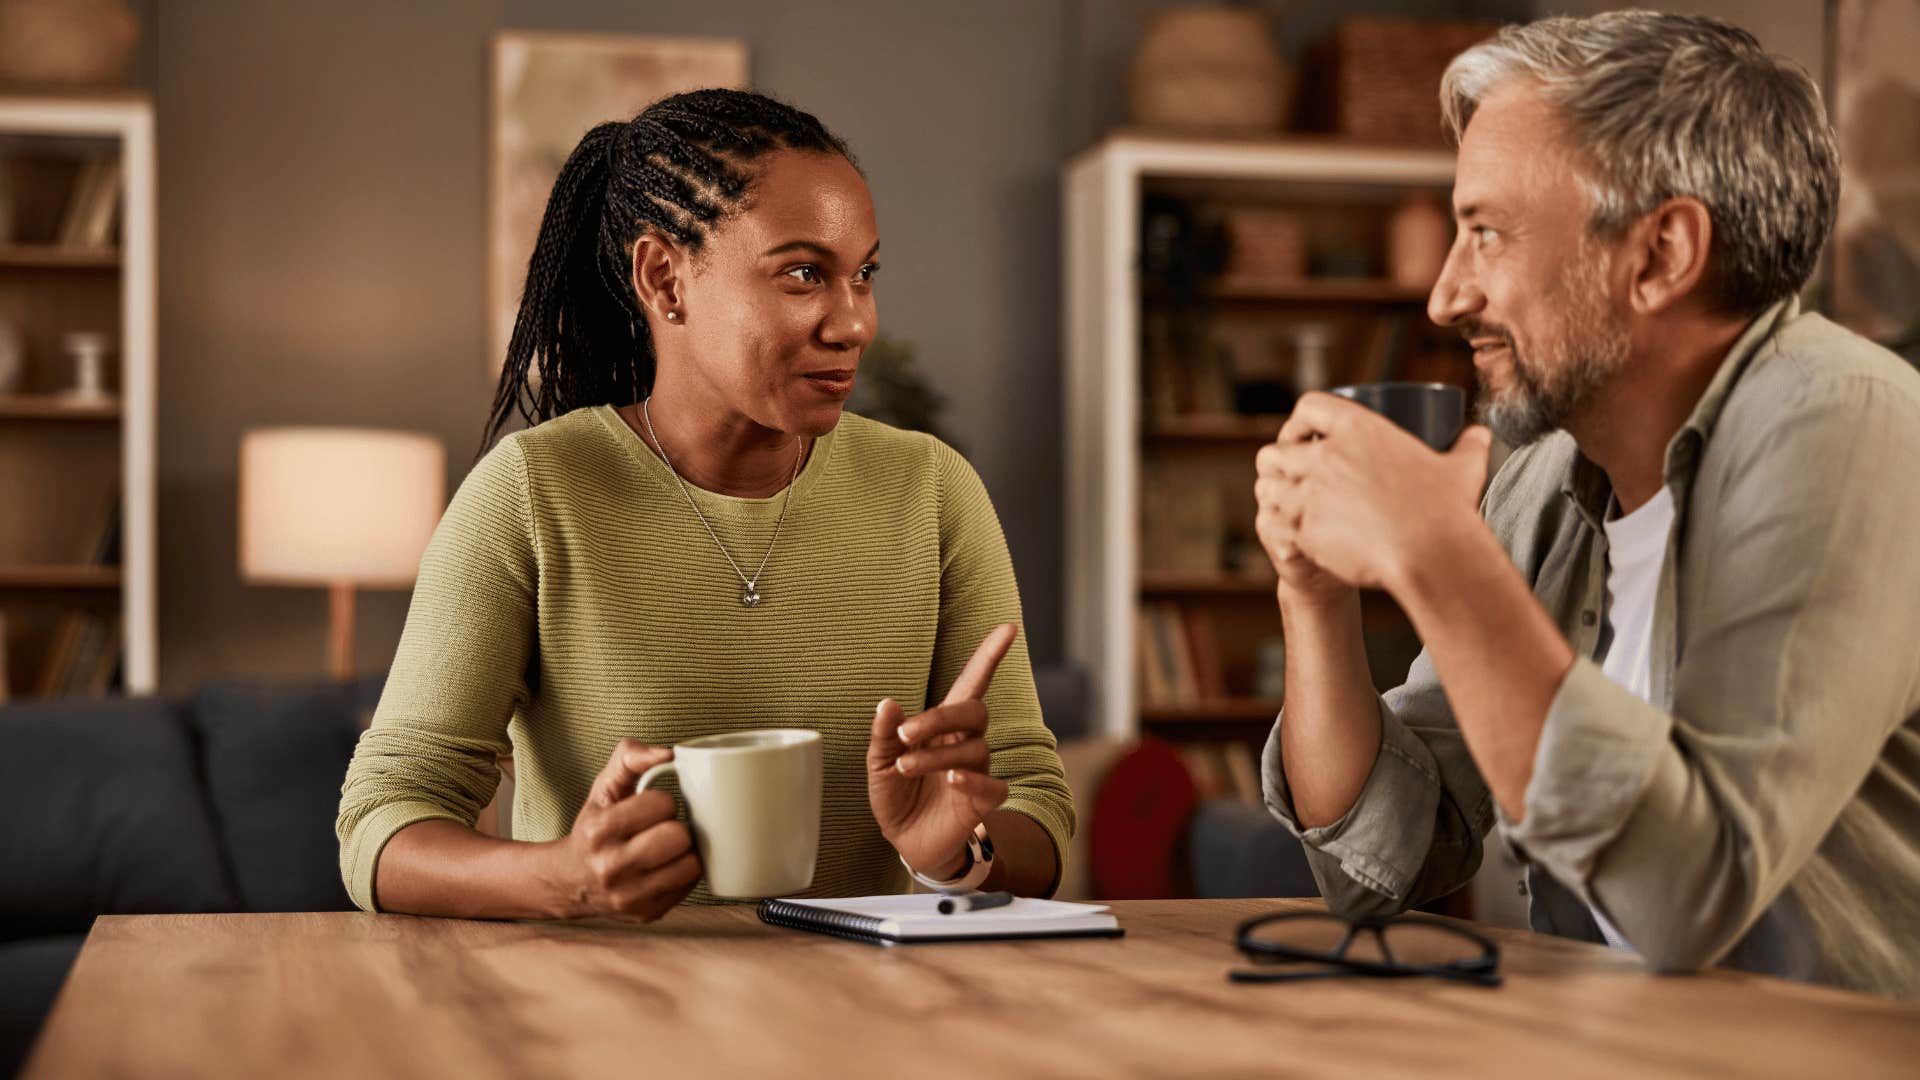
(1674, 241)
(656, 275)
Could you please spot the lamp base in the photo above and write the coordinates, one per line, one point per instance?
(340, 631)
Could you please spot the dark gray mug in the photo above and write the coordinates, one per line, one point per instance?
(1435, 412)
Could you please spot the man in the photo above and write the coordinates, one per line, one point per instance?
(1678, 660)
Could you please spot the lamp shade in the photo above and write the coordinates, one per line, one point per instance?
(322, 506)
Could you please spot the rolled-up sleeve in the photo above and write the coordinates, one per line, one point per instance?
(1797, 664)
(457, 677)
(1414, 832)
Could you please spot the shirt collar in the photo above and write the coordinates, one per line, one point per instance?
(1587, 484)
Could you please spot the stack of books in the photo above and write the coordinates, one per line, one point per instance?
(1176, 656)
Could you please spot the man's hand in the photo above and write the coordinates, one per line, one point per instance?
(1348, 498)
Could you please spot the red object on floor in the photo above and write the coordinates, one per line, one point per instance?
(1136, 837)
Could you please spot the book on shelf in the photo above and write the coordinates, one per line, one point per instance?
(1176, 658)
(5, 684)
(1223, 770)
(99, 674)
(1151, 680)
(1209, 671)
(1177, 655)
(61, 646)
(1208, 771)
(83, 656)
(1243, 772)
(1166, 668)
(88, 219)
(1183, 520)
(103, 543)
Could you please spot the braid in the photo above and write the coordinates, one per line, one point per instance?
(681, 167)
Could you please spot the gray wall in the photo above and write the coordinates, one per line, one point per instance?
(1793, 28)
(322, 244)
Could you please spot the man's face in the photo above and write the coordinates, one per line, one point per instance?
(1525, 283)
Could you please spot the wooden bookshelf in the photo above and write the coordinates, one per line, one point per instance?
(77, 537)
(1166, 604)
(1303, 290)
(1212, 711)
(56, 257)
(1315, 291)
(57, 407)
(60, 577)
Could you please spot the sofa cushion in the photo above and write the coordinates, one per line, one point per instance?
(1241, 850)
(1063, 693)
(31, 974)
(276, 755)
(104, 815)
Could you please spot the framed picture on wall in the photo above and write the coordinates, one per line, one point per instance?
(1874, 94)
(546, 91)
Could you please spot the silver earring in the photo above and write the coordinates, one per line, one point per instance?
(673, 316)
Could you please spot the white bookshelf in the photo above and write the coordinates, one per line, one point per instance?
(1102, 190)
(52, 288)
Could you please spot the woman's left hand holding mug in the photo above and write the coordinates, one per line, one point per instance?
(927, 778)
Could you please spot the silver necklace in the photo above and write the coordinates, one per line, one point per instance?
(750, 592)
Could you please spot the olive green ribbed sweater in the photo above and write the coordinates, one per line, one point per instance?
(570, 598)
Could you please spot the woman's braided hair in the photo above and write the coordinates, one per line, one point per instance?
(681, 167)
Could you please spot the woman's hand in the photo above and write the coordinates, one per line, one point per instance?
(626, 856)
(927, 778)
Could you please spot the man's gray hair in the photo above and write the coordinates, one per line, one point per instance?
(1658, 106)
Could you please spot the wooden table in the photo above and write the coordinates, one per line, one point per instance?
(713, 992)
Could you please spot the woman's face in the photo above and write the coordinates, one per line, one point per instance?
(779, 305)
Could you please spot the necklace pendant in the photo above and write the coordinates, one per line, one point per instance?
(751, 597)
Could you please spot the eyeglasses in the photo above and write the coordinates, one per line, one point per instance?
(1326, 946)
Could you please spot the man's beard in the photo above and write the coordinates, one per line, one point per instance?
(1580, 358)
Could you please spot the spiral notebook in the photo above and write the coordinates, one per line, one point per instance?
(914, 918)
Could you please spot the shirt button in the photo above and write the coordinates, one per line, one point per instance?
(1588, 618)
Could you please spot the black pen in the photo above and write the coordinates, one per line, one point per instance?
(974, 902)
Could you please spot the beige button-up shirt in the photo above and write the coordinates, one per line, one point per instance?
(1762, 810)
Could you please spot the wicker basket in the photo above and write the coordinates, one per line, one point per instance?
(1208, 69)
(1378, 79)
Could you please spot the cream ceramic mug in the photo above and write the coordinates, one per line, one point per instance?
(753, 799)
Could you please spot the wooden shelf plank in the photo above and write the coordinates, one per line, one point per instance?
(56, 407)
(54, 257)
(59, 577)
(1216, 427)
(1302, 291)
(1317, 290)
(1175, 584)
(1212, 711)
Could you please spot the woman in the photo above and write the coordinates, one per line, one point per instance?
(694, 538)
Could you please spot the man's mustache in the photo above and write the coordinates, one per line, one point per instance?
(1471, 330)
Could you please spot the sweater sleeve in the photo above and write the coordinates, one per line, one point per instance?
(977, 593)
(458, 676)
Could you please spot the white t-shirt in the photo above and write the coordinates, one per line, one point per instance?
(1636, 551)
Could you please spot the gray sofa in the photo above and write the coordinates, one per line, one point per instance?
(220, 801)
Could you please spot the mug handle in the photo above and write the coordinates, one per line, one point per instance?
(652, 775)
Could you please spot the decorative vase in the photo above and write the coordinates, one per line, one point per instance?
(88, 350)
(1211, 69)
(67, 42)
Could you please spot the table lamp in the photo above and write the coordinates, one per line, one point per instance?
(346, 508)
